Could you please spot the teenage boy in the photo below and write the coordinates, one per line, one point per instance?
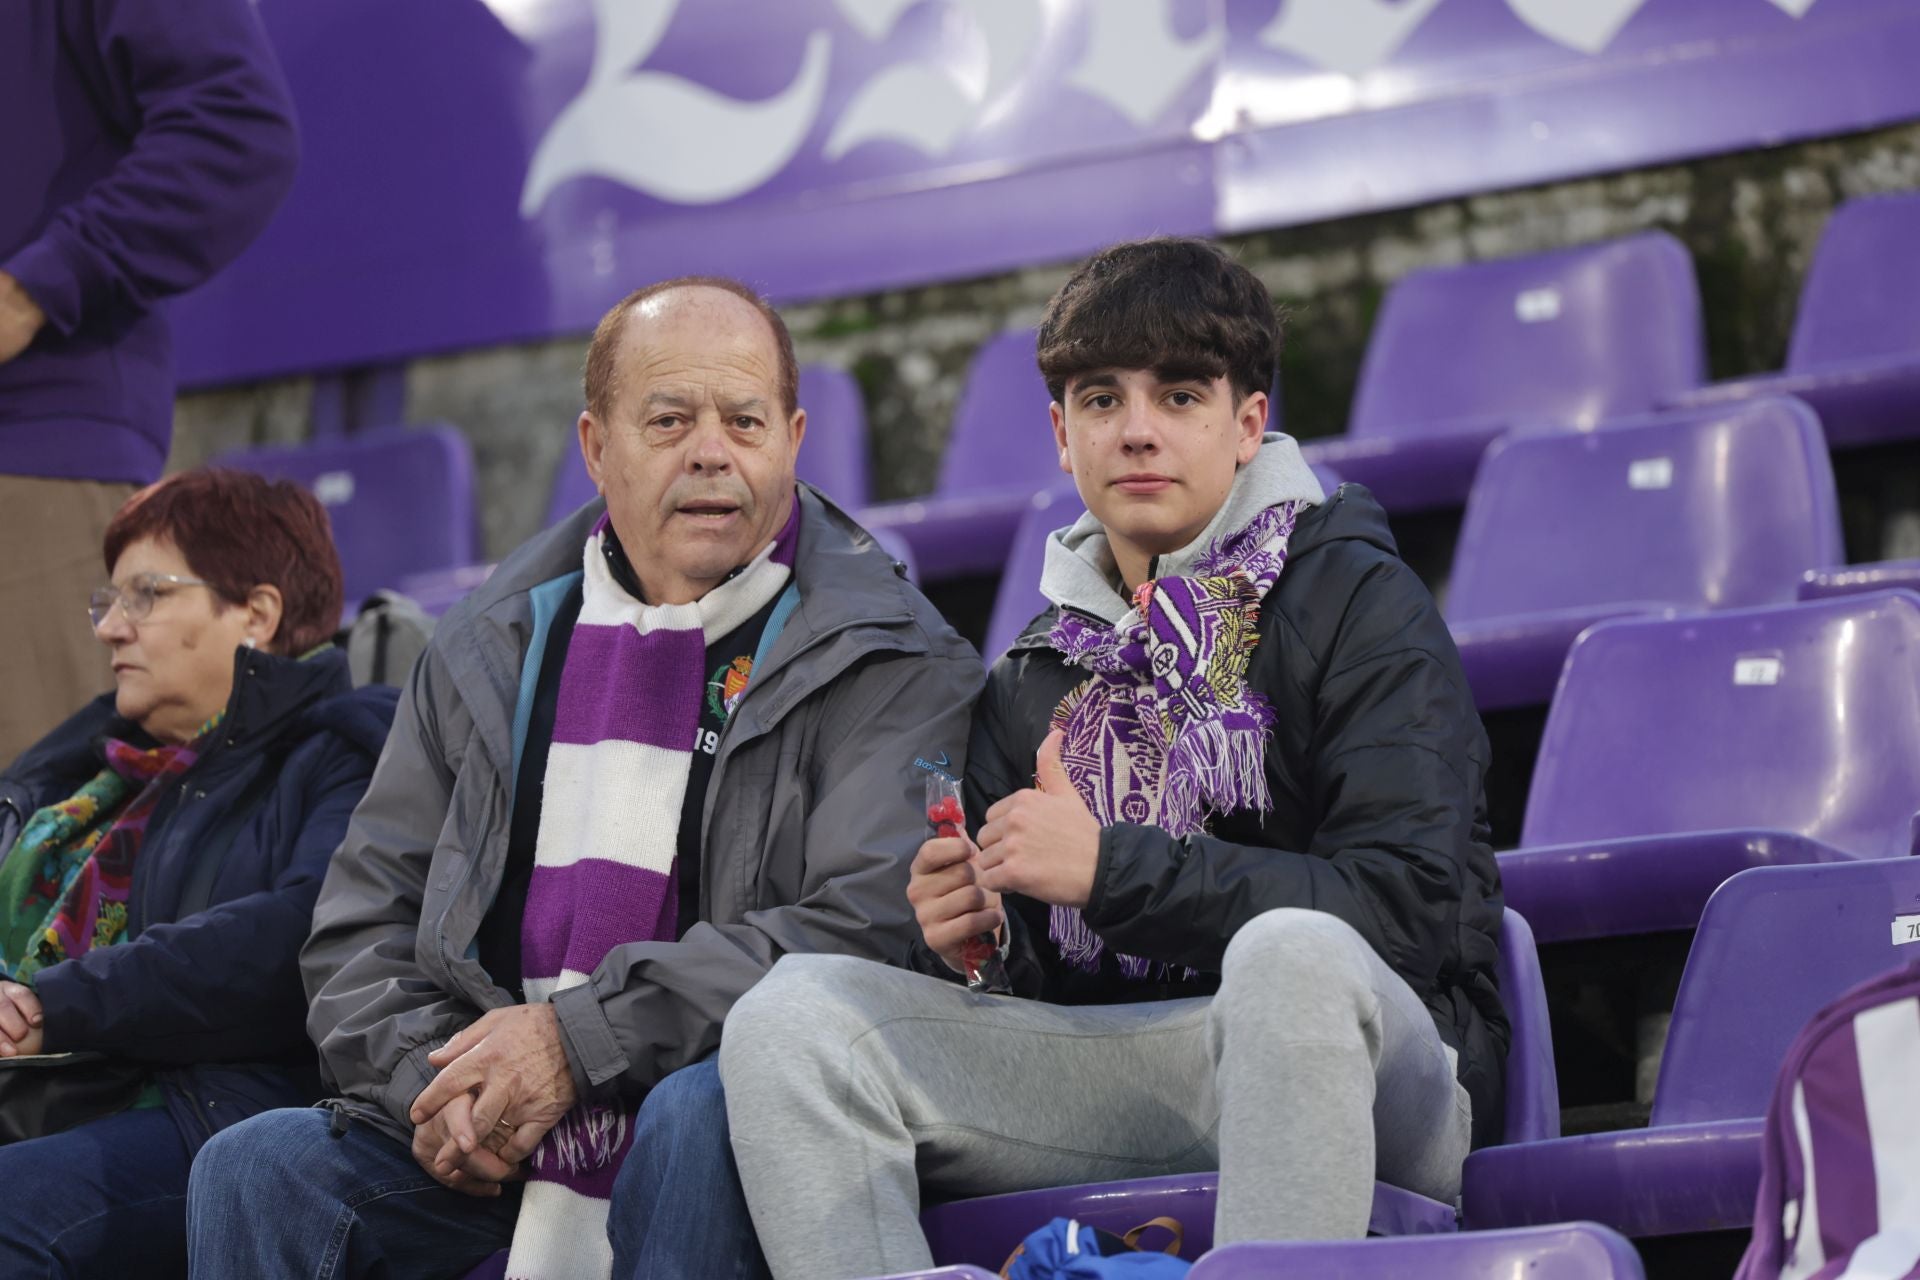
(1231, 831)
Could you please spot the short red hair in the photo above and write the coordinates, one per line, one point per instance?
(240, 531)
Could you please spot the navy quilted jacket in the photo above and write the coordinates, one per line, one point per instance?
(206, 989)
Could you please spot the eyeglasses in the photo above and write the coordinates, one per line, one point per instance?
(137, 597)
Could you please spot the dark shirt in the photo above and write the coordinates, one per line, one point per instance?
(729, 662)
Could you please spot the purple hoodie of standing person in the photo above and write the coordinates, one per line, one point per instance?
(145, 144)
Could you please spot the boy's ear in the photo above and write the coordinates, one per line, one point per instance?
(1059, 419)
(1251, 420)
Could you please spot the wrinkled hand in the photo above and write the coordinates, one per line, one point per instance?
(21, 1021)
(514, 1066)
(20, 318)
(479, 1173)
(1043, 842)
(947, 899)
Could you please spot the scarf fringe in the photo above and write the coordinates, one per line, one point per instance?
(1214, 768)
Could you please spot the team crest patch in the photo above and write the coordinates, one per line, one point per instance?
(727, 685)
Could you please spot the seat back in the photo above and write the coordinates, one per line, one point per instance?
(833, 457)
(1862, 296)
(1800, 718)
(1533, 1093)
(1775, 944)
(1563, 338)
(1571, 1251)
(1002, 437)
(1696, 508)
(572, 486)
(1018, 597)
(401, 499)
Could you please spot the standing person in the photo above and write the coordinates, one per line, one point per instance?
(145, 143)
(670, 740)
(163, 849)
(1230, 819)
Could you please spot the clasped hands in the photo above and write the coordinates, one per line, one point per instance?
(1042, 842)
(503, 1082)
(21, 1021)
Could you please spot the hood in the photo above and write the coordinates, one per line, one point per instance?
(1080, 574)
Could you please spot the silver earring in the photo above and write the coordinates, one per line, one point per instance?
(248, 642)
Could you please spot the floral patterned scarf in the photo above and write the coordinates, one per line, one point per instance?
(64, 884)
(1166, 732)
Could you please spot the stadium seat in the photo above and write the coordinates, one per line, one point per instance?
(1855, 351)
(1696, 509)
(1460, 355)
(1680, 751)
(1574, 1251)
(1774, 944)
(984, 1231)
(1018, 600)
(999, 454)
(833, 459)
(401, 499)
(1854, 579)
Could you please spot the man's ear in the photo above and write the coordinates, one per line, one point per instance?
(1251, 424)
(1059, 419)
(593, 443)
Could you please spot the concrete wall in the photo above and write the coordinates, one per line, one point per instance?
(1750, 219)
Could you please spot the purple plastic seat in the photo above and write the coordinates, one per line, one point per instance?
(984, 1231)
(401, 499)
(1855, 579)
(1696, 509)
(1573, 1251)
(1679, 751)
(1774, 945)
(1000, 454)
(833, 459)
(1018, 600)
(1855, 351)
(1462, 354)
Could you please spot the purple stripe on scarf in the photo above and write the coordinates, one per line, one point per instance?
(640, 704)
(1842, 1172)
(578, 1155)
(787, 541)
(576, 914)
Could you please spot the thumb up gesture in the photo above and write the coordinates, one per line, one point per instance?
(1042, 842)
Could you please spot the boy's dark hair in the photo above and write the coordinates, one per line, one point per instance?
(1180, 307)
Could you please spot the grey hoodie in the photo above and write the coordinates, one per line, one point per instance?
(813, 813)
(1079, 572)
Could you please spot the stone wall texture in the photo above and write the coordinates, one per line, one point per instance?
(1750, 219)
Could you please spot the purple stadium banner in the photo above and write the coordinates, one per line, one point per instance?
(484, 171)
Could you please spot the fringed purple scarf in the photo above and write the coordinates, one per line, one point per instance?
(1166, 733)
(603, 861)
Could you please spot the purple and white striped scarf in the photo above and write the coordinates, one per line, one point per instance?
(1166, 732)
(604, 869)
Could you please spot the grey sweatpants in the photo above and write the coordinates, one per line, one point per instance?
(1314, 1070)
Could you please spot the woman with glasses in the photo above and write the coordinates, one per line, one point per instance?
(162, 852)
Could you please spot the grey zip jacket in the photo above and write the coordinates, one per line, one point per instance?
(813, 814)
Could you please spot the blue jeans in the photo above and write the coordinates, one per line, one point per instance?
(106, 1198)
(284, 1194)
(678, 1211)
(276, 1196)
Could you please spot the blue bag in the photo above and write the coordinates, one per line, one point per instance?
(1067, 1250)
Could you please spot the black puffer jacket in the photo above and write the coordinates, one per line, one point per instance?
(1376, 768)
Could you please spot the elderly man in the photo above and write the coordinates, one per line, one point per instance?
(662, 747)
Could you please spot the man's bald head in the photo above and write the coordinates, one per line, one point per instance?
(603, 355)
